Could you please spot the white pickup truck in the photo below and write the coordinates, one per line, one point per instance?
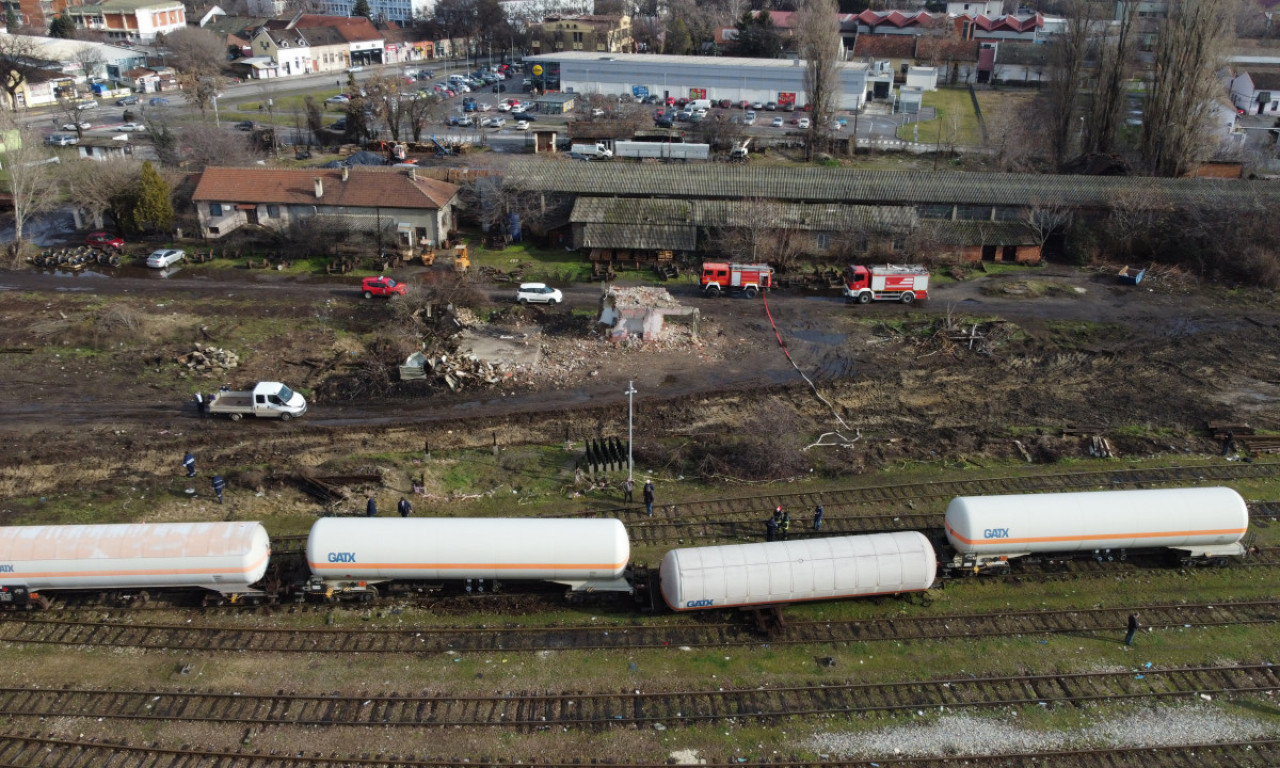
(267, 399)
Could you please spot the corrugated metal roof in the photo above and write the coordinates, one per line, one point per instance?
(825, 217)
(732, 182)
(616, 210)
(640, 237)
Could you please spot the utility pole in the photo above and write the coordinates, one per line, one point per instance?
(630, 393)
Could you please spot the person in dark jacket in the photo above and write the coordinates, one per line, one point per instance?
(1133, 629)
(771, 529)
(218, 485)
(371, 507)
(648, 497)
(817, 518)
(189, 462)
(404, 507)
(628, 486)
(784, 525)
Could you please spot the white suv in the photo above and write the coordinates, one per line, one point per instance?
(534, 293)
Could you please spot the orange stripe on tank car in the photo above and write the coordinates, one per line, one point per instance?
(139, 572)
(463, 566)
(1099, 537)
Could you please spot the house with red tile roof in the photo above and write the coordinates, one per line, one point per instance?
(363, 40)
(419, 209)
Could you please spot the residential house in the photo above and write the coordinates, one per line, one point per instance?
(287, 48)
(54, 69)
(975, 7)
(956, 60)
(1017, 64)
(1256, 91)
(606, 34)
(418, 209)
(329, 49)
(364, 41)
(132, 21)
(898, 50)
(236, 31)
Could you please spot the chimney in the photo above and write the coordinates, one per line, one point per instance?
(346, 172)
(319, 188)
(413, 174)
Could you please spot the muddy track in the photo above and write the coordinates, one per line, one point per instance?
(701, 631)
(536, 711)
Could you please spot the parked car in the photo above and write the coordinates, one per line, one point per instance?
(757, 105)
(86, 104)
(495, 122)
(130, 127)
(724, 104)
(778, 123)
(525, 116)
(341, 98)
(426, 74)
(245, 125)
(127, 101)
(339, 125)
(538, 293)
(104, 240)
(744, 104)
(158, 101)
(749, 118)
(788, 107)
(803, 123)
(381, 286)
(771, 106)
(504, 107)
(356, 68)
(165, 257)
(74, 126)
(499, 88)
(664, 122)
(522, 125)
(61, 139)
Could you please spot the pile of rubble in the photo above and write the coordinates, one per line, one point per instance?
(640, 296)
(457, 371)
(206, 358)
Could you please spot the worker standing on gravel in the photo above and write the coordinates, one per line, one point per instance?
(648, 497)
(771, 528)
(404, 507)
(371, 507)
(628, 486)
(1133, 629)
(218, 485)
(189, 461)
(817, 518)
(784, 524)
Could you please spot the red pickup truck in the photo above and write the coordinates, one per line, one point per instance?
(104, 240)
(381, 286)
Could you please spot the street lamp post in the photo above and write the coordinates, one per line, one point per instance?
(630, 393)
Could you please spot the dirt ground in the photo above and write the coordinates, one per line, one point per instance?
(92, 394)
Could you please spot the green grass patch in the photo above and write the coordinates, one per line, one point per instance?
(1028, 289)
(956, 123)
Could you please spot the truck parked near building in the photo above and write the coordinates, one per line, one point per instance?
(886, 283)
(597, 151)
(267, 399)
(719, 277)
(662, 150)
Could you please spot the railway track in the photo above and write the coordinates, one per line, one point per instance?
(31, 751)
(537, 711)
(29, 628)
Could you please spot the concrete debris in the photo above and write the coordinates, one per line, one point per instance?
(456, 371)
(640, 312)
(1100, 447)
(209, 358)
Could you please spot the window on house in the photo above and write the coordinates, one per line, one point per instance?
(577, 37)
(215, 209)
(823, 240)
(899, 243)
(273, 211)
(934, 211)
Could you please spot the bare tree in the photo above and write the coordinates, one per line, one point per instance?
(1115, 61)
(204, 144)
(760, 230)
(1138, 214)
(198, 55)
(1191, 48)
(32, 176)
(818, 42)
(1067, 65)
(1044, 220)
(88, 60)
(95, 187)
(19, 59)
(383, 96)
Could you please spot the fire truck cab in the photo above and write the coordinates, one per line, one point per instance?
(720, 277)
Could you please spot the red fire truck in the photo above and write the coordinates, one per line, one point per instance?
(886, 283)
(719, 277)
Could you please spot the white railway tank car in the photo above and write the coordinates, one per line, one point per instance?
(1204, 523)
(796, 571)
(221, 557)
(347, 556)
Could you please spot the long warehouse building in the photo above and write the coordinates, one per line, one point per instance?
(701, 77)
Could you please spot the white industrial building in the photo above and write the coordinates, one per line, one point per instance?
(701, 77)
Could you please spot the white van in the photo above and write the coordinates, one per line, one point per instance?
(697, 104)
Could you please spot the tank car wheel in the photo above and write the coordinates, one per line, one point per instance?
(907, 297)
(286, 416)
(235, 417)
(864, 298)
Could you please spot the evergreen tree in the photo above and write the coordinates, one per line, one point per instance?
(757, 37)
(12, 22)
(153, 208)
(63, 27)
(361, 9)
(679, 42)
